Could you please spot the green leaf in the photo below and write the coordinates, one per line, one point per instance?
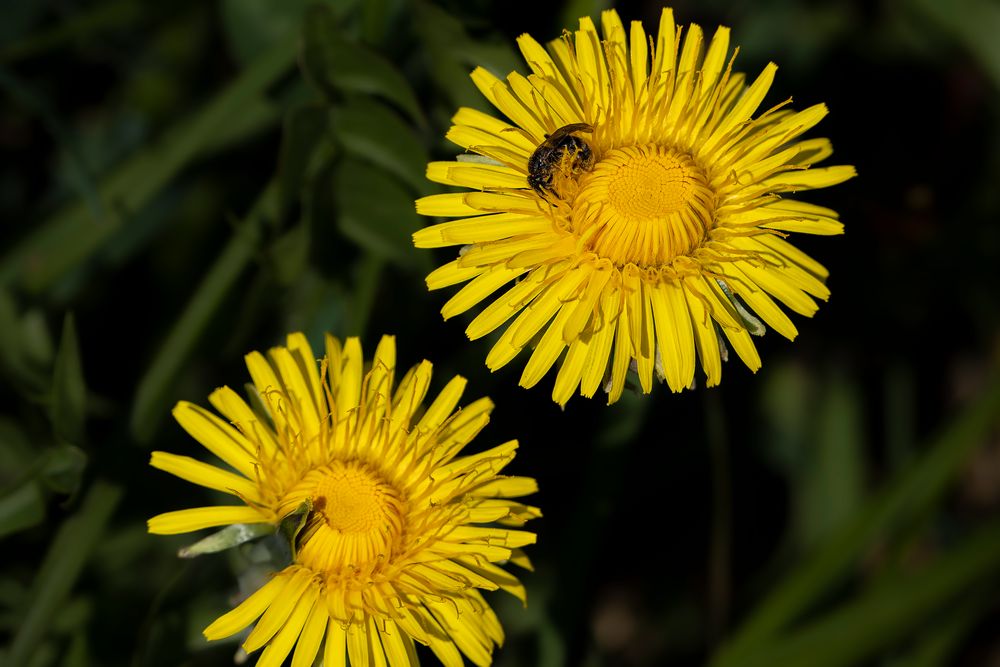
(64, 241)
(227, 538)
(252, 26)
(335, 65)
(67, 554)
(292, 524)
(833, 487)
(856, 631)
(62, 468)
(36, 342)
(367, 273)
(451, 54)
(574, 9)
(69, 393)
(16, 360)
(377, 213)
(370, 131)
(910, 493)
(289, 254)
(305, 129)
(22, 508)
(974, 23)
(152, 394)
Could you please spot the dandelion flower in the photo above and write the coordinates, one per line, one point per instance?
(398, 533)
(632, 213)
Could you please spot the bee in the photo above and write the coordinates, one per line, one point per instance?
(560, 149)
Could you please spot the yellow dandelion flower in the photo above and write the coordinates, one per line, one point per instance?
(398, 532)
(637, 205)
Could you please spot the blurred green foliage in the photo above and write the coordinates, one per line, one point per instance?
(185, 182)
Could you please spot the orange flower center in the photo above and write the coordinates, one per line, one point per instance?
(644, 205)
(356, 520)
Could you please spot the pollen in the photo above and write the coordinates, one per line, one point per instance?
(644, 205)
(357, 516)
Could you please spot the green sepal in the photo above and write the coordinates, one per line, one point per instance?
(227, 538)
(750, 321)
(292, 524)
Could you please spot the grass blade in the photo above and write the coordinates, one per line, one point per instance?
(913, 490)
(72, 235)
(856, 631)
(151, 395)
(67, 555)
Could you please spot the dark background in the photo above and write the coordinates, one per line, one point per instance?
(184, 182)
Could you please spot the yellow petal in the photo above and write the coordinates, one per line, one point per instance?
(196, 518)
(217, 436)
(249, 610)
(312, 636)
(281, 645)
(203, 474)
(335, 651)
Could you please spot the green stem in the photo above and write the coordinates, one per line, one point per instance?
(151, 393)
(720, 544)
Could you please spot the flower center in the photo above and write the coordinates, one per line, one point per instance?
(644, 205)
(356, 520)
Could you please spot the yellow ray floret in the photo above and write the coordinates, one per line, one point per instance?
(400, 530)
(631, 215)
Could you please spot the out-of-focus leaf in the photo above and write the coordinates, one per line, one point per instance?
(17, 14)
(855, 632)
(788, 399)
(620, 427)
(799, 49)
(78, 172)
(227, 538)
(377, 18)
(451, 54)
(366, 273)
(911, 491)
(974, 23)
(77, 655)
(256, 116)
(290, 254)
(936, 644)
(373, 132)
(831, 486)
(305, 129)
(69, 394)
(67, 554)
(63, 467)
(22, 508)
(68, 238)
(334, 64)
(15, 360)
(72, 615)
(252, 26)
(572, 10)
(377, 213)
(36, 343)
(152, 394)
(9, 340)
(815, 437)
(317, 305)
(16, 451)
